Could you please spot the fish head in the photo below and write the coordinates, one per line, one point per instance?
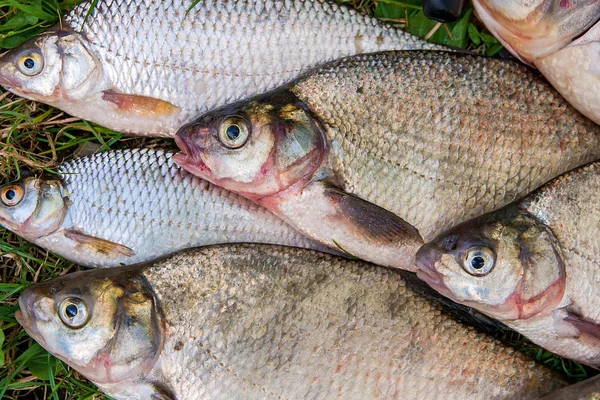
(256, 149)
(531, 29)
(506, 266)
(32, 207)
(54, 68)
(104, 323)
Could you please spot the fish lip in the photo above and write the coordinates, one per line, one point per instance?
(427, 273)
(189, 159)
(24, 316)
(5, 80)
(425, 262)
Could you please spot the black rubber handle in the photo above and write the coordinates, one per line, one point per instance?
(443, 10)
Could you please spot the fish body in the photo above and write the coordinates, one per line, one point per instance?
(538, 265)
(588, 389)
(261, 322)
(131, 206)
(147, 67)
(559, 37)
(370, 152)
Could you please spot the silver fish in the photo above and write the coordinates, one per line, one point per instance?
(364, 152)
(131, 206)
(147, 67)
(534, 265)
(256, 322)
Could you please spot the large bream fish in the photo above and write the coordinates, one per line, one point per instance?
(359, 153)
(534, 265)
(147, 67)
(131, 206)
(255, 322)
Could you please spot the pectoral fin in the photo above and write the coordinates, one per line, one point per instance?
(96, 245)
(140, 105)
(162, 393)
(371, 221)
(588, 329)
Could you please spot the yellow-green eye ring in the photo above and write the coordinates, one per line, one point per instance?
(11, 195)
(73, 312)
(30, 62)
(479, 261)
(233, 132)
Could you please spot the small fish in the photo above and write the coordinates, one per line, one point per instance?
(534, 265)
(131, 206)
(148, 67)
(258, 322)
(372, 153)
(559, 37)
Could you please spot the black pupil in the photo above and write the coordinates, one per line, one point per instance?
(29, 63)
(10, 194)
(233, 132)
(477, 262)
(71, 310)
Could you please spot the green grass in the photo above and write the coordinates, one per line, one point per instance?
(35, 138)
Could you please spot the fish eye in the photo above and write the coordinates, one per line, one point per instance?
(30, 62)
(73, 312)
(479, 261)
(11, 195)
(233, 132)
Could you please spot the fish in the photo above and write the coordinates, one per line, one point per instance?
(266, 321)
(132, 206)
(148, 67)
(558, 37)
(375, 154)
(533, 265)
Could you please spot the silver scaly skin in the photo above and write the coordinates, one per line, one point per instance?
(131, 206)
(559, 37)
(147, 67)
(354, 151)
(534, 265)
(267, 322)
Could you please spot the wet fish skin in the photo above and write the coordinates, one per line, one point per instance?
(165, 66)
(560, 38)
(131, 206)
(533, 29)
(543, 274)
(433, 137)
(588, 389)
(260, 321)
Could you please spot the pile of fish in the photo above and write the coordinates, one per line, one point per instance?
(304, 124)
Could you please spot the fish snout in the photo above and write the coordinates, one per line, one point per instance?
(28, 312)
(190, 141)
(426, 259)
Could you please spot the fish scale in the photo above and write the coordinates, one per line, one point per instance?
(141, 200)
(513, 139)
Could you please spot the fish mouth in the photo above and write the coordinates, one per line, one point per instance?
(428, 274)
(189, 159)
(426, 259)
(25, 318)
